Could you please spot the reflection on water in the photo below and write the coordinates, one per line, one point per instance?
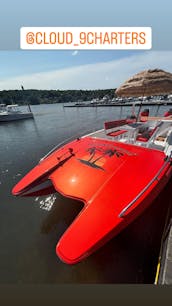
(31, 227)
(63, 209)
(47, 203)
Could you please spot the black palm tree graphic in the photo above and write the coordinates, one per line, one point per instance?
(110, 153)
(93, 150)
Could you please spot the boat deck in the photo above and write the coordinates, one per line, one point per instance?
(153, 135)
(100, 134)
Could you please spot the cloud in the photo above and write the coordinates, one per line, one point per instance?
(74, 52)
(93, 76)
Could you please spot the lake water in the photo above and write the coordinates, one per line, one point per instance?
(31, 227)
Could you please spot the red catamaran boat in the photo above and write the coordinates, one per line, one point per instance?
(116, 172)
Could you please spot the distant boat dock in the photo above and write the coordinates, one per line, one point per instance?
(124, 104)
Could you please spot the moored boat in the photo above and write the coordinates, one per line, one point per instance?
(12, 113)
(116, 172)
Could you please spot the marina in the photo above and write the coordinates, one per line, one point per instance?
(116, 177)
(36, 235)
(123, 104)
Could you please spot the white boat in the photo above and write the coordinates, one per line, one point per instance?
(95, 101)
(12, 113)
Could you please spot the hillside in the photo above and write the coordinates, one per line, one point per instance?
(32, 96)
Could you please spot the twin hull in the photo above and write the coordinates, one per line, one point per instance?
(107, 177)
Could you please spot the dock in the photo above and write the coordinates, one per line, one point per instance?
(129, 104)
(164, 264)
(164, 268)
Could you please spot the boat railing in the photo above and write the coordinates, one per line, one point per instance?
(163, 128)
(60, 144)
(124, 210)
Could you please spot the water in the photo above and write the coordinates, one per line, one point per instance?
(31, 227)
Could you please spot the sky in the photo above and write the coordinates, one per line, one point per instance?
(20, 13)
(76, 69)
(80, 69)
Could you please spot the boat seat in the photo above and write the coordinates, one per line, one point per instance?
(145, 136)
(115, 128)
(113, 124)
(141, 138)
(116, 133)
(111, 127)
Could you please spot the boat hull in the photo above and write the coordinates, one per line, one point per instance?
(107, 177)
(85, 228)
(15, 117)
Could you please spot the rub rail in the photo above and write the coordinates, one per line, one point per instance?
(167, 160)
